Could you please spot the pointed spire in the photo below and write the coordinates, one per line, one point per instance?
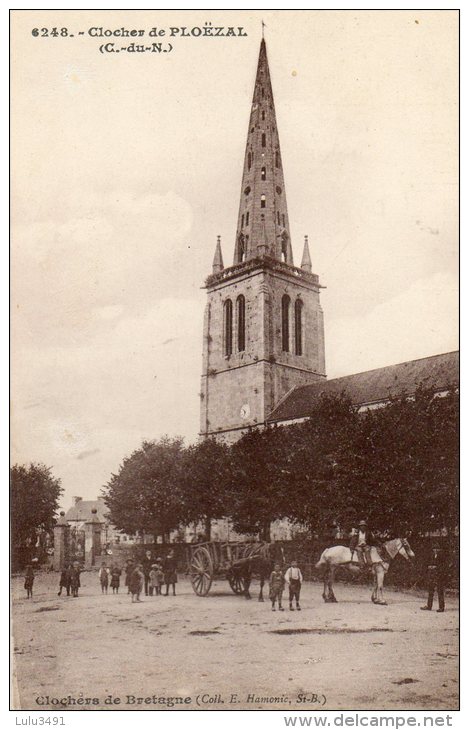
(263, 187)
(217, 265)
(306, 260)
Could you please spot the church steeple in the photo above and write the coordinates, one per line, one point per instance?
(263, 228)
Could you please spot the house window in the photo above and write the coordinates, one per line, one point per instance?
(286, 323)
(228, 327)
(241, 317)
(262, 201)
(263, 139)
(263, 173)
(298, 327)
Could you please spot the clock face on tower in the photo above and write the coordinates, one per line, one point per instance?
(245, 411)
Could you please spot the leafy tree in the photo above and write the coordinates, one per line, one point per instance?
(205, 482)
(319, 462)
(259, 493)
(145, 495)
(407, 455)
(34, 500)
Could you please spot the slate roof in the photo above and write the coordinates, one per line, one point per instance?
(373, 386)
(81, 511)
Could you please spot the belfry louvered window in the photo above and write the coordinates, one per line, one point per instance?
(228, 327)
(241, 321)
(298, 327)
(286, 323)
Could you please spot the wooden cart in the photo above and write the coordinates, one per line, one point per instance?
(212, 560)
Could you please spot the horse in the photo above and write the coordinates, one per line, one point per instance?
(341, 557)
(258, 562)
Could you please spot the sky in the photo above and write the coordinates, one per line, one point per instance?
(127, 166)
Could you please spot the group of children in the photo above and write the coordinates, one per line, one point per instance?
(292, 579)
(114, 573)
(136, 578)
(70, 580)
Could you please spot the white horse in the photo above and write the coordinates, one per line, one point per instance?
(341, 557)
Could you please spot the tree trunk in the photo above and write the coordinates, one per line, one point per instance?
(208, 529)
(266, 531)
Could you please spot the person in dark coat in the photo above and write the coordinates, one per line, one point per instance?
(65, 576)
(136, 583)
(361, 543)
(129, 569)
(147, 563)
(75, 579)
(115, 578)
(170, 574)
(437, 573)
(29, 581)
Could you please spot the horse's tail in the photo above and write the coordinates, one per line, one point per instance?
(322, 560)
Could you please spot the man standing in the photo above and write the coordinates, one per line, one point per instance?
(294, 579)
(361, 542)
(146, 565)
(436, 575)
(170, 572)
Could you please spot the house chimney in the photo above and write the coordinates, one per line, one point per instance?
(76, 500)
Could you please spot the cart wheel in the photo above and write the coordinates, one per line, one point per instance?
(201, 571)
(237, 584)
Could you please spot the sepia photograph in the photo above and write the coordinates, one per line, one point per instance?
(234, 360)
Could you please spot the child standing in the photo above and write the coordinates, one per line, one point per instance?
(104, 578)
(276, 584)
(294, 579)
(29, 581)
(115, 578)
(136, 583)
(153, 582)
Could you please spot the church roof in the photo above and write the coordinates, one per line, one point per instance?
(438, 372)
(81, 511)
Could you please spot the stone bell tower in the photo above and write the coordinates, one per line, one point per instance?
(263, 326)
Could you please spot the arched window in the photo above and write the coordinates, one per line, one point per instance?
(262, 201)
(286, 323)
(228, 327)
(263, 139)
(298, 327)
(241, 317)
(263, 173)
